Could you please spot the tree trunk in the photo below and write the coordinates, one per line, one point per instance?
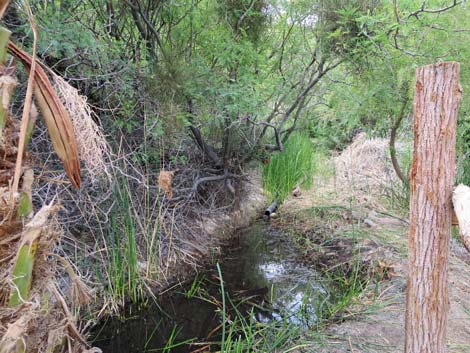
(435, 108)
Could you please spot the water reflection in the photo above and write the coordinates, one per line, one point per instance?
(264, 258)
(260, 268)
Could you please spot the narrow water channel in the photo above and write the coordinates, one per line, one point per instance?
(260, 270)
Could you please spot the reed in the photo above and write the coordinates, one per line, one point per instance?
(294, 166)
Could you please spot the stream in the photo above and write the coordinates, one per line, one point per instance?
(262, 275)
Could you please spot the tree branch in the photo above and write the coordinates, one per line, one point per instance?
(424, 10)
(393, 136)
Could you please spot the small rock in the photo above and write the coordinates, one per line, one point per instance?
(296, 192)
(357, 215)
(273, 215)
(369, 223)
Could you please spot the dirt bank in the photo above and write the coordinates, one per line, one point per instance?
(214, 229)
(369, 214)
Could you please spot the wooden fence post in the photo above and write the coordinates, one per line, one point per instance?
(435, 109)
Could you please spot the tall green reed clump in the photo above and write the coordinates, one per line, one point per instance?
(121, 247)
(294, 166)
(132, 233)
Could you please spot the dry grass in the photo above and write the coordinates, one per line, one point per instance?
(364, 172)
(361, 176)
(41, 318)
(41, 322)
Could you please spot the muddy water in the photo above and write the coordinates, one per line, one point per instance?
(260, 268)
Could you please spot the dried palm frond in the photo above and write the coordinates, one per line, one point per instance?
(73, 331)
(25, 205)
(3, 7)
(55, 116)
(13, 340)
(7, 84)
(92, 145)
(55, 340)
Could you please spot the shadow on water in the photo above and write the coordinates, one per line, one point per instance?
(262, 274)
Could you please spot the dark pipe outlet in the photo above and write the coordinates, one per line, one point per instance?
(272, 208)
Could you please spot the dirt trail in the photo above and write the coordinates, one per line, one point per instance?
(377, 324)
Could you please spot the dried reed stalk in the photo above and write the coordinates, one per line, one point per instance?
(26, 109)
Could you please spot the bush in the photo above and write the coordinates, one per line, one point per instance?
(294, 166)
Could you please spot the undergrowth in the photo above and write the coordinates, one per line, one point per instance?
(246, 334)
(130, 234)
(334, 249)
(293, 166)
(342, 290)
(123, 278)
(399, 196)
(463, 170)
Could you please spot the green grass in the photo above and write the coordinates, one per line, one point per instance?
(196, 287)
(342, 290)
(344, 286)
(123, 280)
(463, 170)
(243, 333)
(131, 234)
(345, 283)
(291, 167)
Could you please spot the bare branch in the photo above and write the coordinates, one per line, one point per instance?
(422, 9)
(279, 146)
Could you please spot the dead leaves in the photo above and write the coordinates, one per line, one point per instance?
(165, 179)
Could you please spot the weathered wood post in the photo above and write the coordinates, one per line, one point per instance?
(435, 108)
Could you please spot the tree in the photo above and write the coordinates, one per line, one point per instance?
(436, 104)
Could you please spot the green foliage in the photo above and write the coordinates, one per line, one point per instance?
(463, 172)
(346, 27)
(463, 149)
(368, 97)
(294, 166)
(248, 335)
(131, 233)
(238, 58)
(25, 205)
(341, 291)
(123, 277)
(195, 287)
(245, 17)
(22, 274)
(240, 64)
